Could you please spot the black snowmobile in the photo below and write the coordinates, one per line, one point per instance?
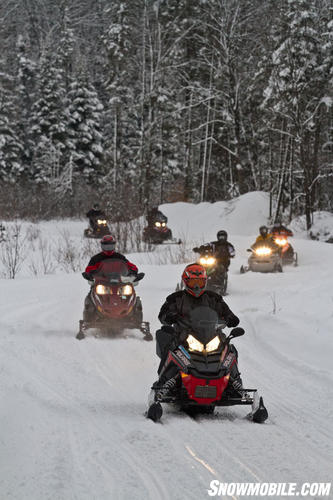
(198, 371)
(157, 231)
(217, 274)
(98, 228)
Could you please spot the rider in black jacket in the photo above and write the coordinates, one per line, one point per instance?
(93, 214)
(178, 306)
(222, 249)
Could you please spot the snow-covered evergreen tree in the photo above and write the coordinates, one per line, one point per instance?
(294, 95)
(25, 95)
(84, 130)
(11, 149)
(49, 117)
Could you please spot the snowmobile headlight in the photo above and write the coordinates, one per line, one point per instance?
(157, 224)
(211, 261)
(213, 344)
(101, 221)
(263, 251)
(281, 242)
(102, 290)
(207, 261)
(163, 224)
(194, 344)
(125, 290)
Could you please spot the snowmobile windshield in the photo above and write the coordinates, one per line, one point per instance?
(160, 218)
(113, 271)
(204, 322)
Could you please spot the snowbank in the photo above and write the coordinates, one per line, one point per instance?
(322, 228)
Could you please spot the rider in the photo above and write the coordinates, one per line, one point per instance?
(280, 230)
(93, 214)
(222, 249)
(265, 237)
(178, 306)
(108, 244)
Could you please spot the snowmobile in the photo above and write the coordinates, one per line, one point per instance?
(216, 273)
(198, 370)
(264, 258)
(158, 232)
(289, 256)
(100, 228)
(117, 306)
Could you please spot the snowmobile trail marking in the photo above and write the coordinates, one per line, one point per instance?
(202, 462)
(207, 466)
(247, 469)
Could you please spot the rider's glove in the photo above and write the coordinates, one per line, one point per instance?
(232, 320)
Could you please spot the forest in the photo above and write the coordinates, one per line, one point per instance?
(142, 102)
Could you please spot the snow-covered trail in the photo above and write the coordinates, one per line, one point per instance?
(72, 413)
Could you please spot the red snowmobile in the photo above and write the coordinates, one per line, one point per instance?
(280, 235)
(198, 371)
(117, 306)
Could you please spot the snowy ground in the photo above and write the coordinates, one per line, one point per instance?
(72, 420)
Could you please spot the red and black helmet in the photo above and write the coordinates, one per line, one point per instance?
(108, 243)
(195, 279)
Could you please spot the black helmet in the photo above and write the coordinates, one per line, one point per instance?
(108, 243)
(263, 230)
(96, 206)
(222, 235)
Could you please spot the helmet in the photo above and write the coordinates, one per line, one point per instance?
(108, 243)
(222, 235)
(263, 231)
(195, 279)
(96, 206)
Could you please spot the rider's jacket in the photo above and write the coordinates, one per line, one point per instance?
(268, 240)
(92, 214)
(223, 251)
(182, 303)
(96, 260)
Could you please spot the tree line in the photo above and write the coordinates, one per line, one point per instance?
(143, 102)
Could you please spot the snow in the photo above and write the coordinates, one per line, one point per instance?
(72, 422)
(321, 229)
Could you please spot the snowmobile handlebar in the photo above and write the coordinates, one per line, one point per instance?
(132, 278)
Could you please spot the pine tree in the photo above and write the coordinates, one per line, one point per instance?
(50, 118)
(294, 96)
(25, 83)
(11, 149)
(84, 129)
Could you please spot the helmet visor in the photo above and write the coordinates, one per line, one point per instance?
(195, 282)
(108, 247)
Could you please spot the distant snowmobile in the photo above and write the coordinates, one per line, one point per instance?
(216, 273)
(157, 231)
(199, 370)
(99, 230)
(264, 258)
(280, 234)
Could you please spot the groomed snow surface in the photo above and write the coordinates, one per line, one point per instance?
(72, 422)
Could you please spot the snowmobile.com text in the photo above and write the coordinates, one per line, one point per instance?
(269, 489)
